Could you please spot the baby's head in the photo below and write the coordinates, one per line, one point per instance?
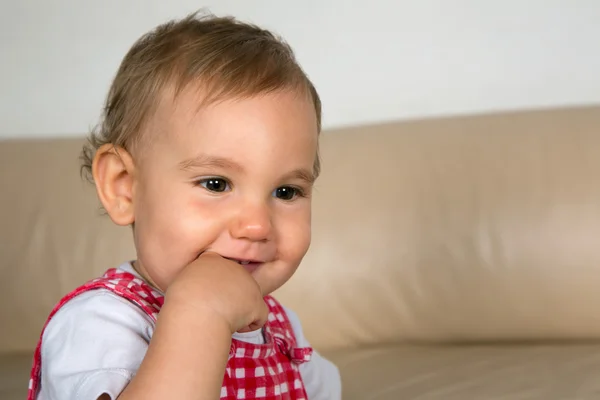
(209, 142)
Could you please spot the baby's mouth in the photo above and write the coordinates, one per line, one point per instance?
(249, 265)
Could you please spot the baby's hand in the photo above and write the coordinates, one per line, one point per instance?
(222, 291)
(209, 300)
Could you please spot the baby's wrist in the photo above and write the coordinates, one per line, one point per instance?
(196, 315)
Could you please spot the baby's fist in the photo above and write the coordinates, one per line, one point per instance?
(222, 290)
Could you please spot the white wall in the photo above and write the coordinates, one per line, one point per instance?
(374, 61)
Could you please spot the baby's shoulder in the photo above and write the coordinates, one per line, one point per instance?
(98, 312)
(95, 340)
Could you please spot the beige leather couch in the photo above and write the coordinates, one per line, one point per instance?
(452, 259)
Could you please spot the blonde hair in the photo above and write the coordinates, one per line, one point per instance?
(227, 57)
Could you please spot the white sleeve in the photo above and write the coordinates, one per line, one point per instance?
(320, 376)
(93, 346)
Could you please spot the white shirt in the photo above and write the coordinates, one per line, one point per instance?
(96, 342)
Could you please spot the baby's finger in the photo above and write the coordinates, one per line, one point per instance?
(261, 317)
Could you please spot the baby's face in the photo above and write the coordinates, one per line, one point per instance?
(234, 178)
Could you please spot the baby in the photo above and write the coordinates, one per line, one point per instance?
(208, 149)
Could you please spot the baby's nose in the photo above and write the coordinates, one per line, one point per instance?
(252, 223)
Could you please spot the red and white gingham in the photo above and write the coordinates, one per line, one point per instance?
(269, 371)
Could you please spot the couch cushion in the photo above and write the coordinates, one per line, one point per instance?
(466, 228)
(14, 375)
(532, 372)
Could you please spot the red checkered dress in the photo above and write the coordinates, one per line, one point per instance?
(267, 371)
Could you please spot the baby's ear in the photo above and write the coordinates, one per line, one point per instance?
(113, 170)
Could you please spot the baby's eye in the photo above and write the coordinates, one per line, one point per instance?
(215, 184)
(287, 192)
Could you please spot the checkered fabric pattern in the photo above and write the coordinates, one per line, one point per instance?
(269, 371)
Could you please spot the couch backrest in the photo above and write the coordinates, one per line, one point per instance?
(466, 228)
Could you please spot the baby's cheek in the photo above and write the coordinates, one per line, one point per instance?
(298, 239)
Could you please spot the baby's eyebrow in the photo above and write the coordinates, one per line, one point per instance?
(302, 174)
(208, 161)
